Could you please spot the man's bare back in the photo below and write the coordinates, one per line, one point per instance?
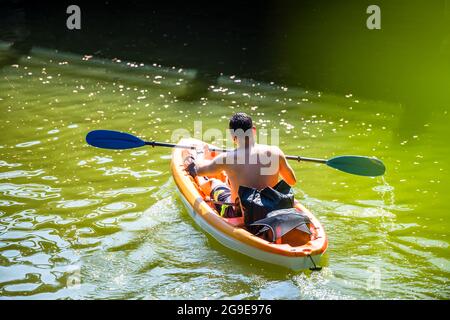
(250, 164)
(256, 165)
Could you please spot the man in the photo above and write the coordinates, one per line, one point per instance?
(249, 164)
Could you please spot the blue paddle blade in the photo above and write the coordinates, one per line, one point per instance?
(362, 166)
(109, 139)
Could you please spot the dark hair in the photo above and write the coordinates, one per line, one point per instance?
(242, 121)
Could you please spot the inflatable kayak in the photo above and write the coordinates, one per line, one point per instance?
(295, 250)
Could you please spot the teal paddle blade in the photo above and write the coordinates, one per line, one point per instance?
(362, 166)
(109, 139)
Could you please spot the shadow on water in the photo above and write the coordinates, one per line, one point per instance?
(315, 45)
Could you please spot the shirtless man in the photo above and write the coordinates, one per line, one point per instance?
(249, 164)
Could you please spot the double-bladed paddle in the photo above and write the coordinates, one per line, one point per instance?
(359, 165)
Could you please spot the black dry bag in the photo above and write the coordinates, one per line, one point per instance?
(258, 203)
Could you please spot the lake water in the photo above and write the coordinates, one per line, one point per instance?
(80, 222)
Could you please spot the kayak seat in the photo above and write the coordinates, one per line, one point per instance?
(285, 226)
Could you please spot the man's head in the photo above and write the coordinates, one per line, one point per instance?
(241, 125)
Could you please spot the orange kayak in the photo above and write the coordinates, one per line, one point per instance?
(297, 250)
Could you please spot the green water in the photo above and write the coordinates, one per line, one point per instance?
(79, 222)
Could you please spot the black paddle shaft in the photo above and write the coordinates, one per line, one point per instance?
(172, 145)
(298, 158)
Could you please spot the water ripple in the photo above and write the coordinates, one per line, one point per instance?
(122, 191)
(383, 188)
(139, 153)
(10, 165)
(96, 159)
(29, 191)
(21, 173)
(116, 207)
(348, 210)
(9, 203)
(45, 240)
(126, 171)
(21, 288)
(51, 178)
(362, 212)
(111, 208)
(27, 144)
(53, 131)
(70, 204)
(382, 204)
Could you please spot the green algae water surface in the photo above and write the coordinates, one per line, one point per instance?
(80, 222)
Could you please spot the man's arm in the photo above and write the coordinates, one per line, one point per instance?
(285, 169)
(211, 167)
